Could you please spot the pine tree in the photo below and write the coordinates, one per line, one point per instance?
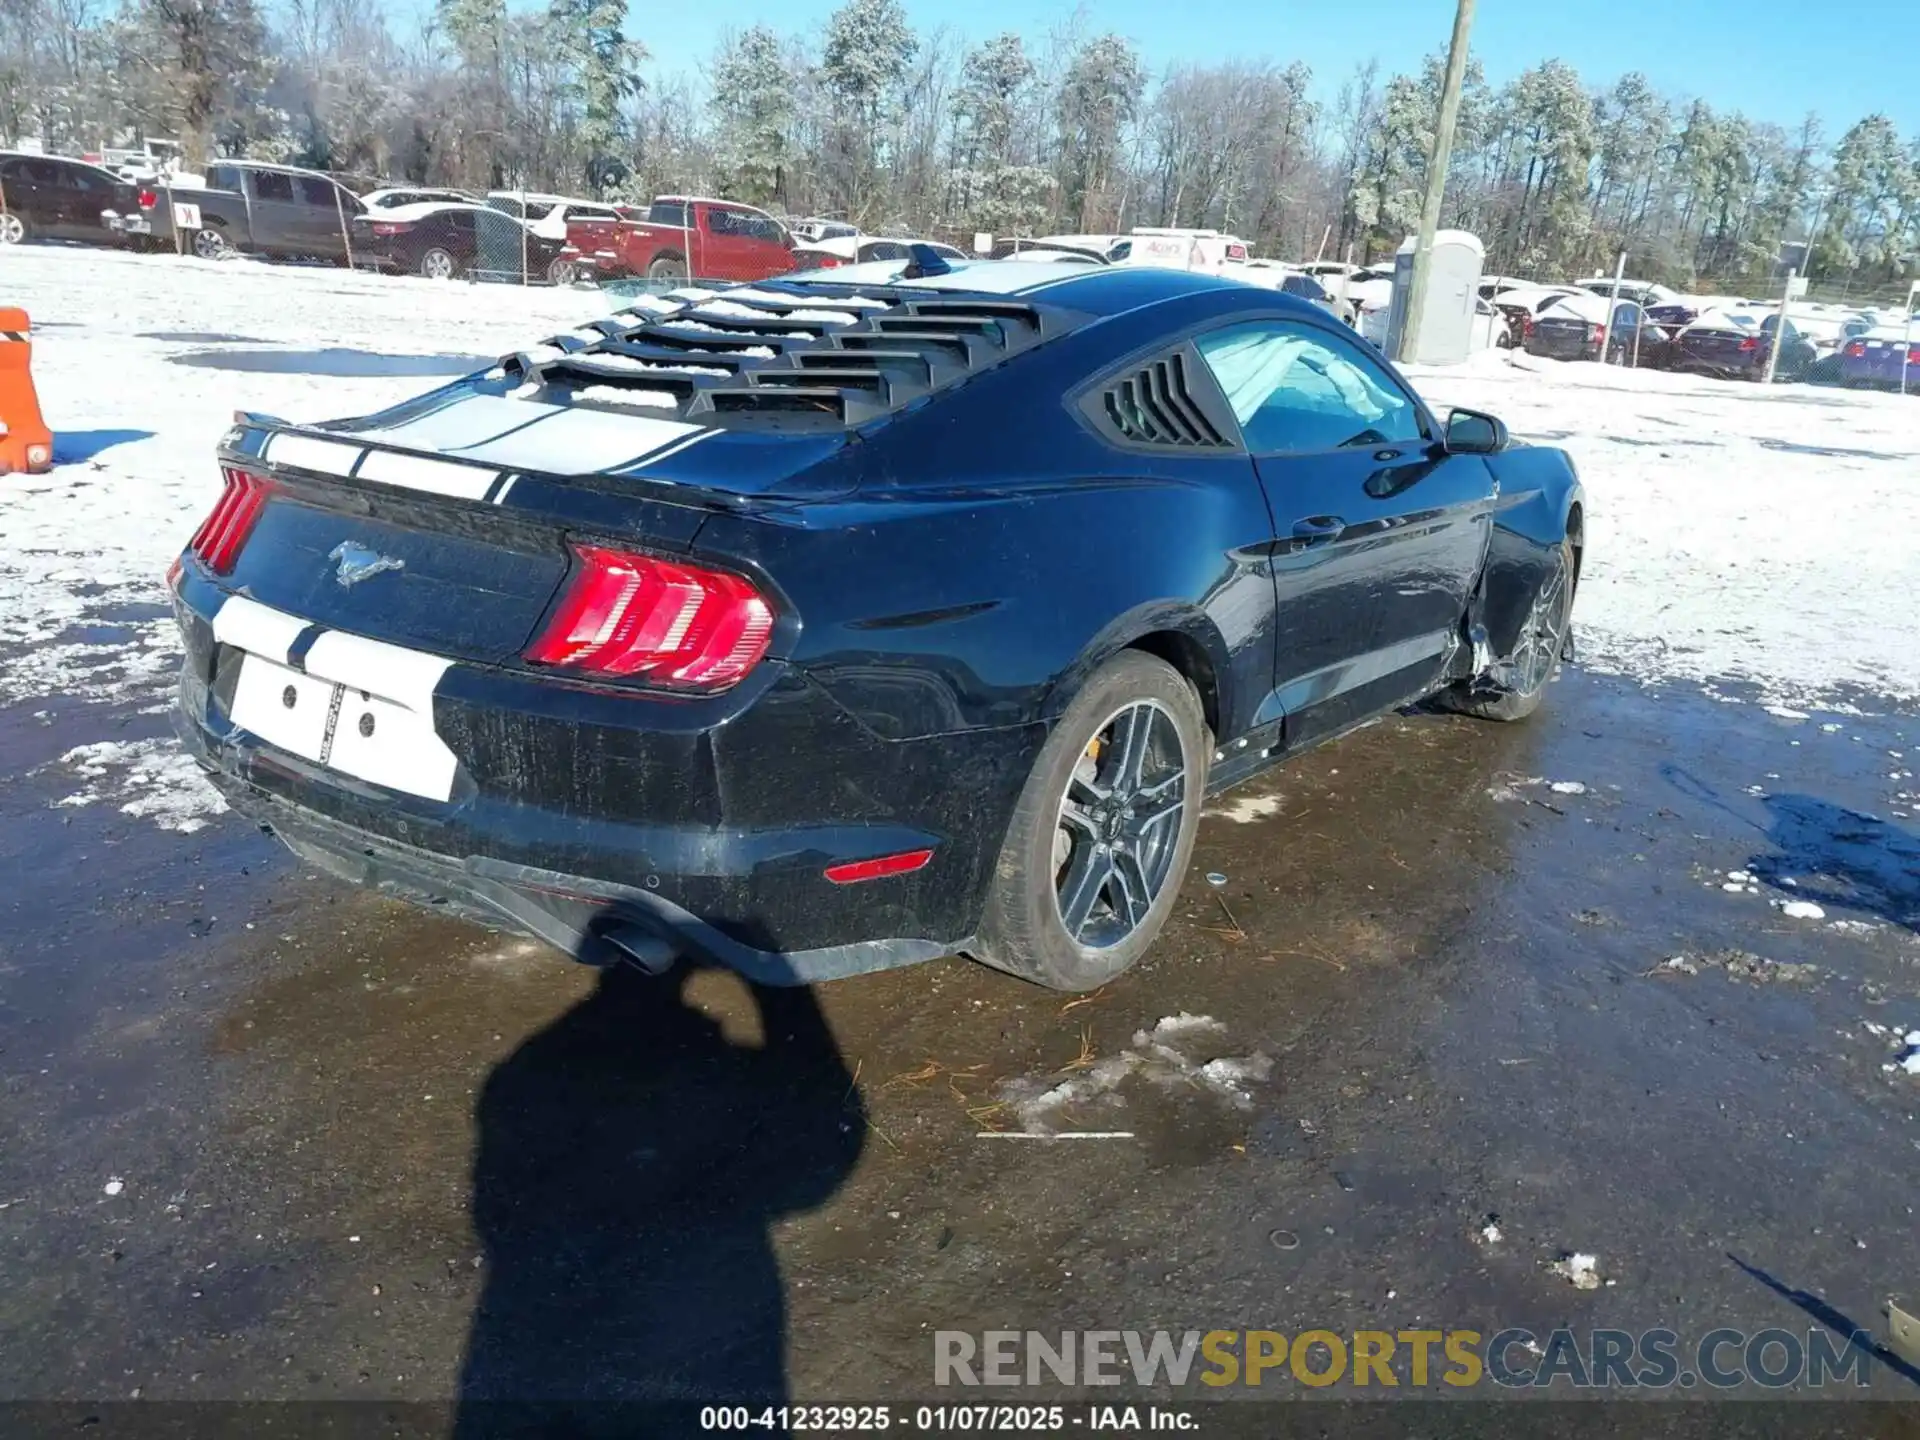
(592, 36)
(989, 188)
(753, 110)
(1099, 99)
(869, 46)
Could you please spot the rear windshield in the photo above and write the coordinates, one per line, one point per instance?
(668, 212)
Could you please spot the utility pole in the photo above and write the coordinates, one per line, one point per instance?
(1436, 179)
(1780, 330)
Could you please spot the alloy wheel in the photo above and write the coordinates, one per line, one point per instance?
(437, 265)
(209, 244)
(12, 230)
(1544, 631)
(1119, 825)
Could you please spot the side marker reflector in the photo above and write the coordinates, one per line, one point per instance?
(852, 871)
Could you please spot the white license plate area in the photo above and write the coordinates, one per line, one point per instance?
(282, 706)
(343, 728)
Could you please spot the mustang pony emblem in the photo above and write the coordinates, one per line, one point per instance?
(358, 563)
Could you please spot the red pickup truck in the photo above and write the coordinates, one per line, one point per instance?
(684, 237)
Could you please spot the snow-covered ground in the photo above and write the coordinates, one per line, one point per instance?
(1761, 539)
(1745, 540)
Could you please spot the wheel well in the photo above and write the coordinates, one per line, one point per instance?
(1190, 658)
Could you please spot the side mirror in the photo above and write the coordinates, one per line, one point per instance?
(1471, 433)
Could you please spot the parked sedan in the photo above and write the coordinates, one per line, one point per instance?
(652, 643)
(1883, 358)
(446, 242)
(1718, 343)
(1575, 327)
(48, 197)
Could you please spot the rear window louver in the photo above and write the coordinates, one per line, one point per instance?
(1156, 405)
(816, 356)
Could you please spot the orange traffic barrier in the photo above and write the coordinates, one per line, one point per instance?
(25, 442)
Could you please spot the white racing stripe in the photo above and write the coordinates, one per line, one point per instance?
(305, 452)
(258, 629)
(583, 442)
(422, 472)
(473, 420)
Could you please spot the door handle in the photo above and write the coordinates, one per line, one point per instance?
(1317, 529)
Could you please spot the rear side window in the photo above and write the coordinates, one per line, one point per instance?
(315, 191)
(1298, 390)
(668, 212)
(223, 177)
(272, 185)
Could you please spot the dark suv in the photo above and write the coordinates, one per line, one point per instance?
(49, 197)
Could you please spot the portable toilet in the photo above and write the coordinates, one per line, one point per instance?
(1445, 335)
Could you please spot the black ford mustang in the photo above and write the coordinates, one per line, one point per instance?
(846, 621)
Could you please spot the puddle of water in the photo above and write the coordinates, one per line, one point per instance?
(201, 337)
(346, 364)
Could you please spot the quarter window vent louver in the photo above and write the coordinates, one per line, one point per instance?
(1153, 406)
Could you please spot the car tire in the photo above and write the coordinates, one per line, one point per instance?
(1115, 868)
(667, 269)
(13, 228)
(561, 272)
(1518, 683)
(209, 242)
(438, 263)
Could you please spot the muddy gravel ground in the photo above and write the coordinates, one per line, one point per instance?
(264, 1136)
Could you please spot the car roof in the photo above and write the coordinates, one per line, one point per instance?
(61, 159)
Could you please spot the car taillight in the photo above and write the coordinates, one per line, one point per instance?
(148, 199)
(216, 544)
(380, 227)
(676, 624)
(1598, 331)
(1749, 344)
(1856, 348)
(827, 262)
(1913, 355)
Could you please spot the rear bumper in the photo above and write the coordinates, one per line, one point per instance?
(571, 812)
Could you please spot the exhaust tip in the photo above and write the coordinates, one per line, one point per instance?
(641, 948)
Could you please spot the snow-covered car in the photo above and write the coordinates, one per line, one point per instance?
(858, 249)
(1733, 345)
(813, 230)
(448, 242)
(392, 197)
(1114, 248)
(1575, 327)
(1641, 292)
(1047, 255)
(1522, 305)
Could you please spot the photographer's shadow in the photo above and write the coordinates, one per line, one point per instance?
(631, 1160)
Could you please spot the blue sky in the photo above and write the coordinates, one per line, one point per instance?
(1775, 59)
